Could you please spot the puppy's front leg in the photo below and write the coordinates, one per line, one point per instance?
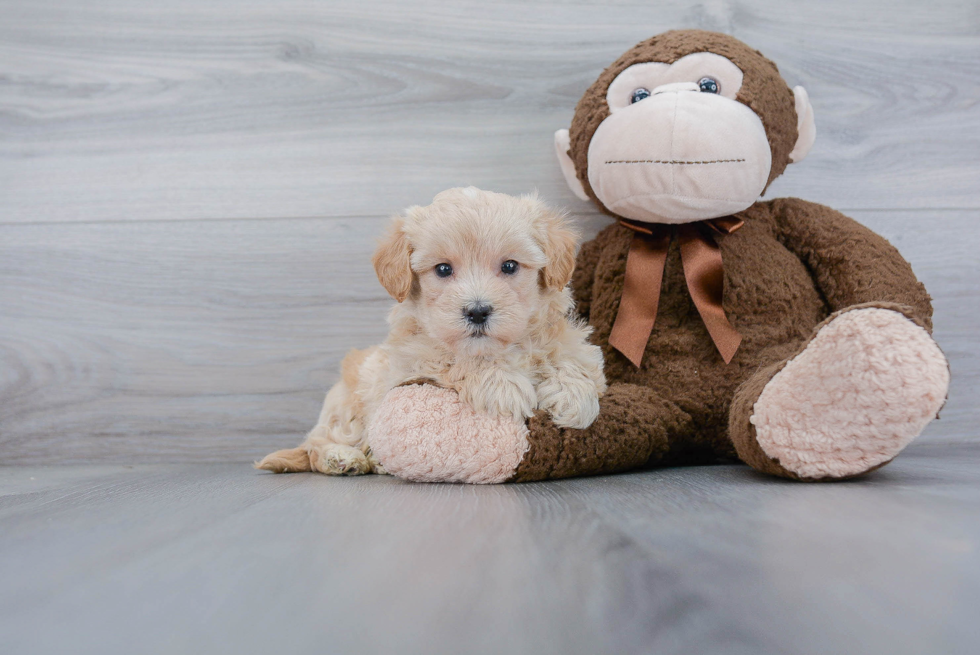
(571, 398)
(499, 391)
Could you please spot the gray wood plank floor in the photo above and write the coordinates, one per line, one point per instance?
(222, 559)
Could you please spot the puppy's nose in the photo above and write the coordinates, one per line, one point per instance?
(478, 314)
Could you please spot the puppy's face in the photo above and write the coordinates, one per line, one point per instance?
(474, 265)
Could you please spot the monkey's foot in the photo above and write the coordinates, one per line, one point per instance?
(861, 390)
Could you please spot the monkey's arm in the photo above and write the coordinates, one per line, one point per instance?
(850, 264)
(584, 275)
(425, 433)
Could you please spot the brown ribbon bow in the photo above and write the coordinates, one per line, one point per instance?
(701, 260)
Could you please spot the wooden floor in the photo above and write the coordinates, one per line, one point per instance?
(221, 559)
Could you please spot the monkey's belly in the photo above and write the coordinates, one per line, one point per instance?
(770, 298)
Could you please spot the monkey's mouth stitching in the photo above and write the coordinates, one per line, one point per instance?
(672, 161)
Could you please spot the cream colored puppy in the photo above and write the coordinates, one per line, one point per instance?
(483, 308)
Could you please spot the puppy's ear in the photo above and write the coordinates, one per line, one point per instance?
(392, 261)
(559, 242)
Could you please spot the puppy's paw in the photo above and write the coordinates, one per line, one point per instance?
(501, 393)
(337, 459)
(572, 401)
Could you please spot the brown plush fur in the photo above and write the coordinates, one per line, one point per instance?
(787, 270)
(790, 267)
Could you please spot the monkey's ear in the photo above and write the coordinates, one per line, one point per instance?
(558, 242)
(562, 143)
(805, 127)
(392, 261)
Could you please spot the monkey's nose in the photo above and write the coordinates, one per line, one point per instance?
(478, 314)
(676, 87)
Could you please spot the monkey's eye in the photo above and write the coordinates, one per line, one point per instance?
(709, 85)
(509, 267)
(639, 94)
(444, 270)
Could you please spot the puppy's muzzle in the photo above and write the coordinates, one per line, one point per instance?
(477, 314)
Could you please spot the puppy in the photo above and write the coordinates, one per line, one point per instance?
(483, 308)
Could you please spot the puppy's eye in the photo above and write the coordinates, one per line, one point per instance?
(639, 94)
(509, 267)
(709, 85)
(444, 270)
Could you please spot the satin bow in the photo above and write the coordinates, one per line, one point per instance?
(701, 261)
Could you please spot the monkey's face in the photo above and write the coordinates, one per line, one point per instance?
(677, 146)
(687, 139)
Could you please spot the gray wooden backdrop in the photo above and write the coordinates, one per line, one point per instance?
(190, 190)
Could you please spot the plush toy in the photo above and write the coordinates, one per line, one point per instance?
(781, 333)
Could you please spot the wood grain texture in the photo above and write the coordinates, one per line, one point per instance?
(216, 340)
(118, 110)
(186, 336)
(223, 559)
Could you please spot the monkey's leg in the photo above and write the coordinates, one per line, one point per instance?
(425, 433)
(856, 394)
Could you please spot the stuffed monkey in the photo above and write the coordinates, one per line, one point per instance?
(781, 333)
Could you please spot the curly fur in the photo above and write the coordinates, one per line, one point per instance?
(529, 354)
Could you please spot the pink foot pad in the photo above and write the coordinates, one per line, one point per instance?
(864, 387)
(426, 434)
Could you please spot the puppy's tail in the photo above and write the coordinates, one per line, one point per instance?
(290, 460)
